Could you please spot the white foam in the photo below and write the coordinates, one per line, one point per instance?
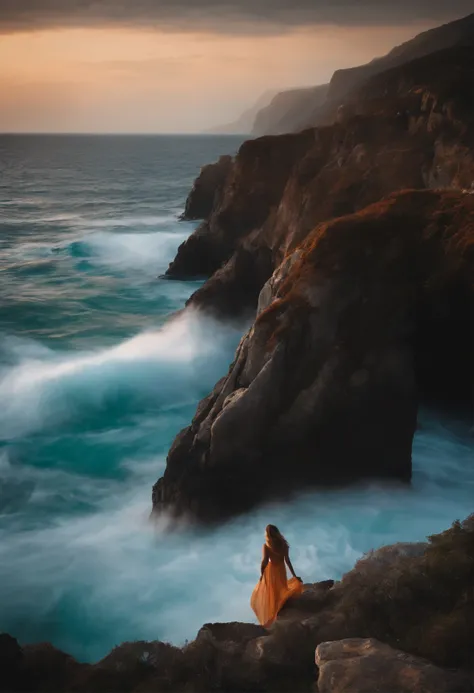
(47, 390)
(134, 250)
(128, 222)
(140, 583)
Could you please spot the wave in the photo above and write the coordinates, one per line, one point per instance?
(92, 581)
(176, 363)
(128, 222)
(151, 251)
(133, 250)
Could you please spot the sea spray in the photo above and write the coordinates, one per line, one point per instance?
(175, 364)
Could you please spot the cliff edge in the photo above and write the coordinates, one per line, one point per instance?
(413, 598)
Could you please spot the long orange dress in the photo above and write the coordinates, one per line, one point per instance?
(274, 589)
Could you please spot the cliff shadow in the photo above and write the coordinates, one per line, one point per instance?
(443, 344)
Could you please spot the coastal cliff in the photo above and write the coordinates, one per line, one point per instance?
(295, 109)
(409, 128)
(369, 314)
(362, 309)
(290, 111)
(413, 598)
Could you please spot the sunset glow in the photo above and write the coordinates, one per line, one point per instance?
(137, 80)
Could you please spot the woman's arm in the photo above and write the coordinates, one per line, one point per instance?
(264, 560)
(288, 563)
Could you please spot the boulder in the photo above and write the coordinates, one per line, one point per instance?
(361, 665)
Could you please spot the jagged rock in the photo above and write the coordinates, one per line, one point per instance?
(11, 663)
(315, 598)
(368, 666)
(134, 666)
(207, 188)
(324, 387)
(236, 632)
(262, 172)
(45, 668)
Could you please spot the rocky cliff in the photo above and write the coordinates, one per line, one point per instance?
(295, 109)
(409, 128)
(354, 312)
(454, 34)
(324, 387)
(290, 111)
(416, 598)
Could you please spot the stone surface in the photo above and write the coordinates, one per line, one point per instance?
(368, 666)
(207, 188)
(324, 388)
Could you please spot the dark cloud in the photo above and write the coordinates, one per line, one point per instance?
(226, 16)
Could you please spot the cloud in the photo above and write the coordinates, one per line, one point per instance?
(224, 16)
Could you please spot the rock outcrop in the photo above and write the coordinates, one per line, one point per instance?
(453, 34)
(254, 187)
(207, 189)
(409, 128)
(367, 666)
(295, 109)
(415, 598)
(324, 387)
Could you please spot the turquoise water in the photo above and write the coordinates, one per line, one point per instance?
(94, 384)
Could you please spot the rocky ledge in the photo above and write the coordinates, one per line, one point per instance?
(372, 312)
(413, 598)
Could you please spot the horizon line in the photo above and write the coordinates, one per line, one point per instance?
(122, 134)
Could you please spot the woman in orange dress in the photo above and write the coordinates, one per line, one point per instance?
(274, 589)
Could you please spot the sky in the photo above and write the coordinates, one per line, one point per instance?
(183, 65)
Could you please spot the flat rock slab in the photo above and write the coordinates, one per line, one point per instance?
(359, 665)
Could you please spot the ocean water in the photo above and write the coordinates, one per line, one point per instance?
(95, 381)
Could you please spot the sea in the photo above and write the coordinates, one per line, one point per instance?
(95, 382)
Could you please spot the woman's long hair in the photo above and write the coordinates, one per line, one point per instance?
(276, 540)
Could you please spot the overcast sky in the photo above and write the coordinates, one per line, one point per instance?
(183, 65)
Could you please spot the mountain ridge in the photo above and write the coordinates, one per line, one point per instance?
(294, 109)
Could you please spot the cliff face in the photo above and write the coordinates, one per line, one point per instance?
(295, 109)
(253, 188)
(324, 387)
(355, 314)
(207, 189)
(290, 111)
(455, 34)
(244, 124)
(409, 128)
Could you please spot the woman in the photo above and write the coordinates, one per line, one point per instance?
(273, 588)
